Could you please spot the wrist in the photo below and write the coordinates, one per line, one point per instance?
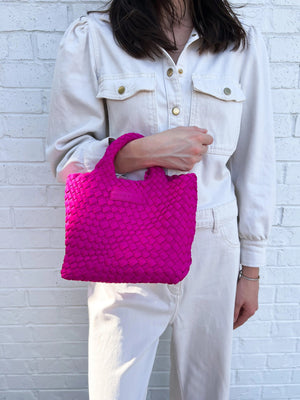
(133, 156)
(251, 272)
(245, 277)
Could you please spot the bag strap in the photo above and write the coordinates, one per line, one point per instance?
(119, 143)
(107, 161)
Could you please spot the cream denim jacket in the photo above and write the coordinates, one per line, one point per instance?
(99, 91)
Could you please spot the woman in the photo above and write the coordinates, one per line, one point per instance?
(194, 81)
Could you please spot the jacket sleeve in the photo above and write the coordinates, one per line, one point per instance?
(77, 136)
(253, 165)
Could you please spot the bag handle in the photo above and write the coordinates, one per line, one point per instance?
(107, 161)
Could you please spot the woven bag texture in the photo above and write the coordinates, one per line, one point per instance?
(121, 230)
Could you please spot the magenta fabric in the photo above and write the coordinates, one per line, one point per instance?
(121, 230)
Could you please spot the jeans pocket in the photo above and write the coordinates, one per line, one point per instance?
(229, 232)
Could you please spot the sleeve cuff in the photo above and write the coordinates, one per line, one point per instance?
(83, 159)
(253, 253)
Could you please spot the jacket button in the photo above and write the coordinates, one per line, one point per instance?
(175, 111)
(121, 90)
(170, 72)
(180, 71)
(227, 91)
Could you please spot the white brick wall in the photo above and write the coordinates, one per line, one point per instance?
(44, 321)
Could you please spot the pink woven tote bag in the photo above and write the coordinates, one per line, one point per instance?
(121, 230)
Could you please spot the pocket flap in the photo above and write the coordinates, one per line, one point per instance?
(123, 86)
(223, 88)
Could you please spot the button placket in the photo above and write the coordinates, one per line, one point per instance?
(170, 72)
(176, 111)
(173, 93)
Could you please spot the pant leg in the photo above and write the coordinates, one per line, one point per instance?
(125, 323)
(201, 343)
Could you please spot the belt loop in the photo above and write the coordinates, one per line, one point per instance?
(215, 221)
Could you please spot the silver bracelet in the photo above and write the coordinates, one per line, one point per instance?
(247, 277)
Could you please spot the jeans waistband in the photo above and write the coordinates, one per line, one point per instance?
(211, 217)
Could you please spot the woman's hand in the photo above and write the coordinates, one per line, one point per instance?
(246, 300)
(178, 148)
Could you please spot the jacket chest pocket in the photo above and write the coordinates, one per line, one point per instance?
(131, 103)
(217, 106)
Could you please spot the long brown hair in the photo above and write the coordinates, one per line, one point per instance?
(137, 28)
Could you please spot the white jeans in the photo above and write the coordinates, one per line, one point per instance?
(126, 321)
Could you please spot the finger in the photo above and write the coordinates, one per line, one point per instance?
(240, 321)
(196, 128)
(206, 139)
(204, 149)
(242, 318)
